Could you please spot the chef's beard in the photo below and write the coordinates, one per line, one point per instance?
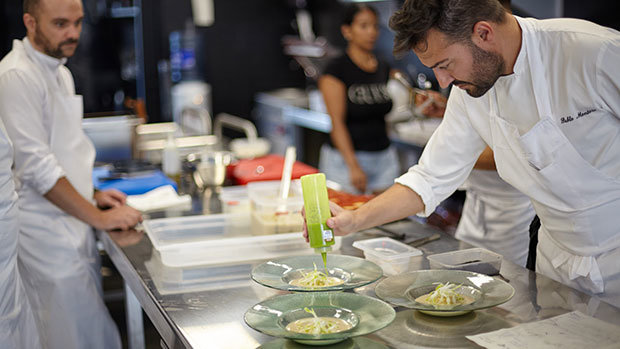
(488, 67)
(42, 41)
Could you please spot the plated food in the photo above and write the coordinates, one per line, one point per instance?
(319, 318)
(444, 292)
(445, 296)
(299, 274)
(316, 279)
(318, 324)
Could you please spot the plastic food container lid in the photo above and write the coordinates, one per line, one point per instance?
(386, 249)
(476, 259)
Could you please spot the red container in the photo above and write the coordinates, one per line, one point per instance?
(266, 168)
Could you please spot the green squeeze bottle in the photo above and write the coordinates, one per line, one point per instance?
(316, 206)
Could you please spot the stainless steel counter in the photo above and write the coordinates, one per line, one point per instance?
(210, 314)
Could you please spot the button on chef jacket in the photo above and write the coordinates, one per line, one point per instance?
(554, 127)
(59, 262)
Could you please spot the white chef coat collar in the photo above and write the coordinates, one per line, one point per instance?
(521, 62)
(46, 61)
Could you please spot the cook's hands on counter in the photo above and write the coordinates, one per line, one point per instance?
(395, 203)
(109, 198)
(64, 196)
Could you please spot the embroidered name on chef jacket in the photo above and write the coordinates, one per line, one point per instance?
(580, 114)
(368, 94)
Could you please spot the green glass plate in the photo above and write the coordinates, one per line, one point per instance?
(355, 272)
(351, 343)
(403, 289)
(365, 314)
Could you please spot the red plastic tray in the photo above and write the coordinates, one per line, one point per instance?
(266, 168)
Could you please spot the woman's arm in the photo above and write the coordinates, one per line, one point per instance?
(335, 97)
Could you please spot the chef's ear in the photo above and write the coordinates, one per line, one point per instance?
(483, 34)
(30, 22)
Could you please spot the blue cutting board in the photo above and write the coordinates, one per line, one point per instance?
(133, 185)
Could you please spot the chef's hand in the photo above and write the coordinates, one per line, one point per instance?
(437, 108)
(121, 217)
(358, 178)
(341, 222)
(109, 198)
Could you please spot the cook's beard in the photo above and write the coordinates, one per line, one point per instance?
(487, 66)
(42, 41)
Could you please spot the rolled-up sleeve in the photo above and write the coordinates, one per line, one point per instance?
(22, 102)
(447, 159)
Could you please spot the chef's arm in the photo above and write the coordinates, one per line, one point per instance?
(334, 95)
(486, 161)
(64, 196)
(395, 203)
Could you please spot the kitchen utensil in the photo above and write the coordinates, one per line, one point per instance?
(423, 241)
(285, 181)
(403, 289)
(391, 255)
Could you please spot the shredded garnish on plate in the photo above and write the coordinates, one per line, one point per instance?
(318, 325)
(445, 294)
(316, 278)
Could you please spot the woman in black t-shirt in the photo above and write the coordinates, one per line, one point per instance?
(353, 86)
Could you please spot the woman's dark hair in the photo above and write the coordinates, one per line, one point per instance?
(352, 9)
(455, 18)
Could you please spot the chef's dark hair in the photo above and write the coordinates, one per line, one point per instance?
(30, 6)
(352, 9)
(454, 18)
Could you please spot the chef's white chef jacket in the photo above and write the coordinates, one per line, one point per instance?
(495, 216)
(59, 262)
(17, 325)
(554, 127)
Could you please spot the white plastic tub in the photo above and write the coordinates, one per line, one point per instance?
(265, 204)
(477, 259)
(391, 255)
(213, 239)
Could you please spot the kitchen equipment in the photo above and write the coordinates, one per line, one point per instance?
(266, 168)
(423, 241)
(265, 203)
(191, 106)
(244, 148)
(285, 182)
(355, 272)
(391, 255)
(403, 289)
(477, 259)
(112, 136)
(214, 239)
(272, 315)
(316, 206)
(210, 167)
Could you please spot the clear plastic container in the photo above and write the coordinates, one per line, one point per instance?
(391, 255)
(264, 201)
(209, 239)
(235, 201)
(476, 259)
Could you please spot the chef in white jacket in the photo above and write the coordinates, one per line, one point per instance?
(545, 96)
(495, 215)
(57, 256)
(17, 326)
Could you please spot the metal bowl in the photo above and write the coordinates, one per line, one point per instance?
(210, 167)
